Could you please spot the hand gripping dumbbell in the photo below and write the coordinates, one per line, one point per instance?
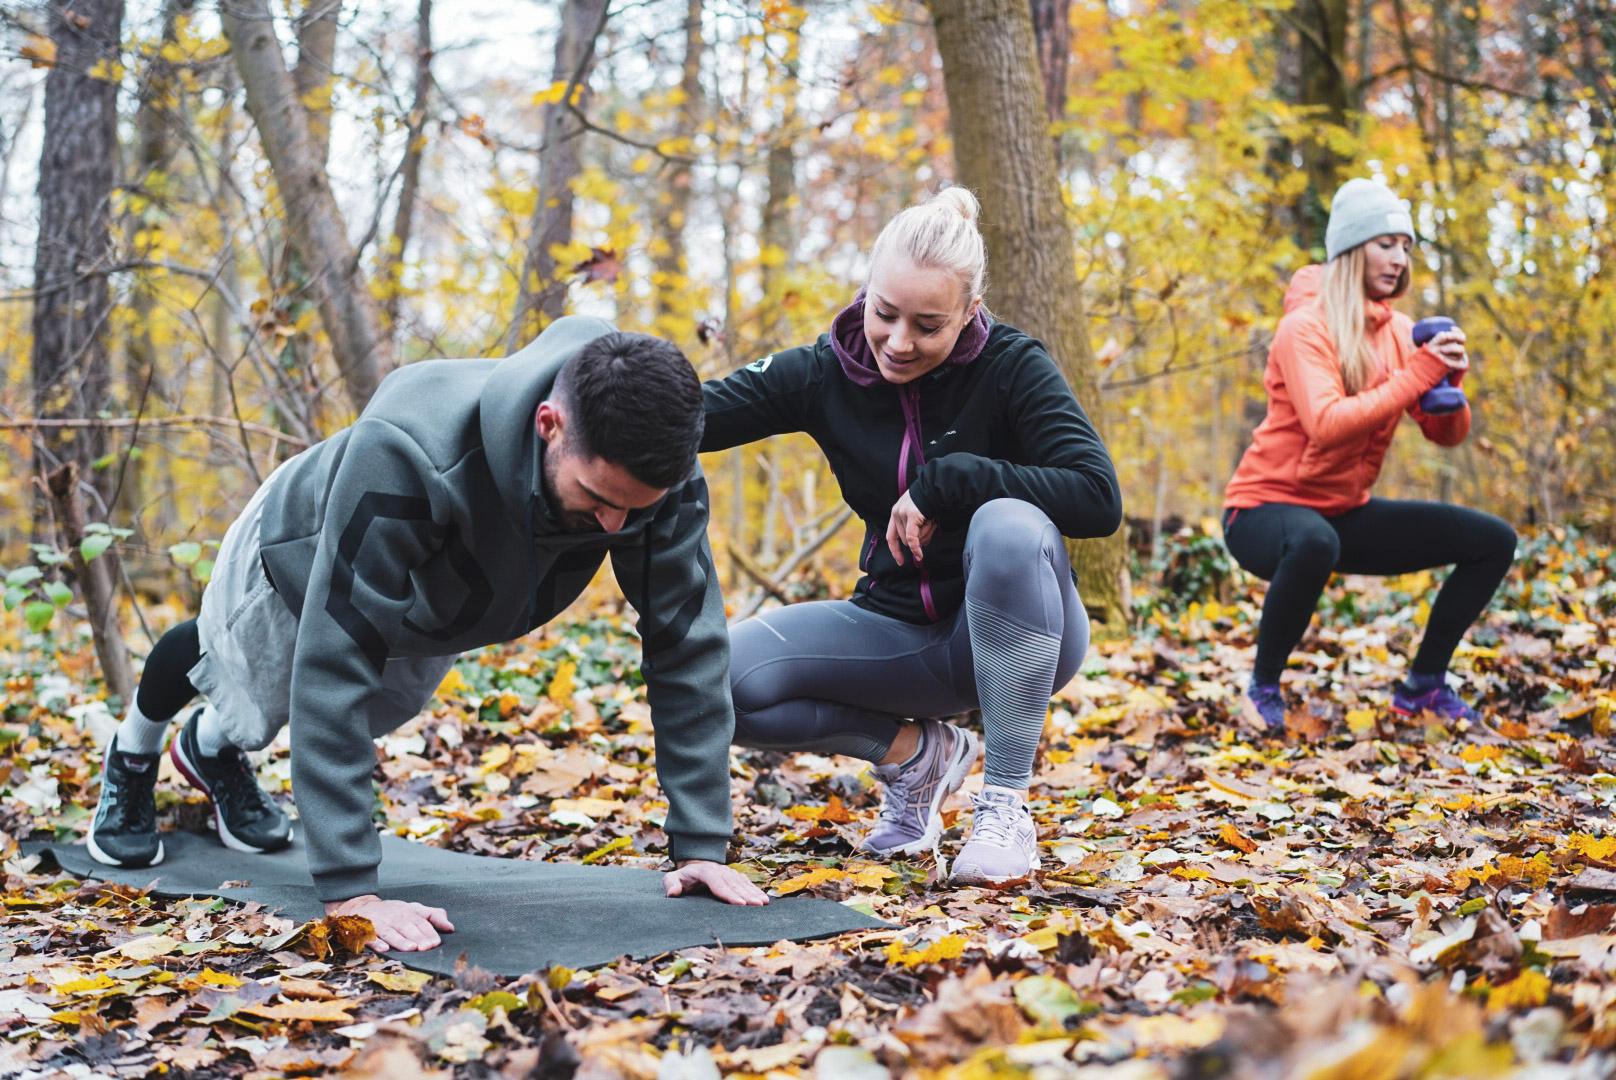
(1444, 397)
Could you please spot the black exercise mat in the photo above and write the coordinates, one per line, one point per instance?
(511, 916)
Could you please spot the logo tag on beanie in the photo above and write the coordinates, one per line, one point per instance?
(760, 366)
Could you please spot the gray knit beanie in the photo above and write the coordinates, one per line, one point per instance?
(1361, 211)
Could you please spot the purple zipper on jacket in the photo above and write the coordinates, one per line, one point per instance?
(909, 395)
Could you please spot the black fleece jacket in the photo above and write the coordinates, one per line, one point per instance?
(1004, 425)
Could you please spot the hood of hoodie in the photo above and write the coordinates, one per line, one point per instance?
(1308, 282)
(509, 400)
(852, 348)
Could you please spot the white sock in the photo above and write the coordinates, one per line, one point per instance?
(210, 736)
(139, 735)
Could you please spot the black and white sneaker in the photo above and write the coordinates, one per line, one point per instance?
(246, 818)
(124, 830)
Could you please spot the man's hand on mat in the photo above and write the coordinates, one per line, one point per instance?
(727, 885)
(401, 925)
(908, 528)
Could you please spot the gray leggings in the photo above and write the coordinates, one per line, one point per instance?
(832, 677)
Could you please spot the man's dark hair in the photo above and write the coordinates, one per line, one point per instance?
(633, 400)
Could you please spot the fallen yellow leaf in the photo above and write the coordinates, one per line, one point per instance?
(318, 1012)
(148, 948)
(404, 982)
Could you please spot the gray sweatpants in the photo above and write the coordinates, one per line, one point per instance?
(832, 677)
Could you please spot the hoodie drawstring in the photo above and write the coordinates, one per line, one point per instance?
(909, 397)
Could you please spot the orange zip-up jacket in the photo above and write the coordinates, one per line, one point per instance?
(1319, 446)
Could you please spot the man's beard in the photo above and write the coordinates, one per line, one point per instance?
(571, 521)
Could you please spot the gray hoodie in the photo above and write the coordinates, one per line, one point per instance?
(424, 530)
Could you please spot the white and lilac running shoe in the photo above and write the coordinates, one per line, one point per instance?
(1003, 845)
(912, 797)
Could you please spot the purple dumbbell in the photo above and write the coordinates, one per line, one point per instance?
(1443, 397)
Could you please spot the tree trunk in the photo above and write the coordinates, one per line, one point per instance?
(79, 158)
(1001, 150)
(675, 316)
(1052, 27)
(1320, 82)
(144, 385)
(316, 28)
(778, 239)
(98, 580)
(351, 317)
(410, 169)
(542, 297)
(316, 66)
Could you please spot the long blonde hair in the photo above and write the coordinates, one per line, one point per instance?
(1341, 299)
(939, 233)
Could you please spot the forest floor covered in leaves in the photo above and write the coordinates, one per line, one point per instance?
(1370, 897)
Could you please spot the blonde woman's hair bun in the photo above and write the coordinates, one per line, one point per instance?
(960, 200)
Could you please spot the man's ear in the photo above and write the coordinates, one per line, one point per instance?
(550, 421)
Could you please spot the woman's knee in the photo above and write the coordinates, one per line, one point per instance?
(1315, 549)
(1497, 538)
(1006, 535)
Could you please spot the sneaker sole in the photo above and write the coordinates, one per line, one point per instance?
(107, 860)
(1407, 713)
(101, 856)
(959, 768)
(967, 877)
(193, 776)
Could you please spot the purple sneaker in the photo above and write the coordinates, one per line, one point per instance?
(912, 800)
(1265, 707)
(1411, 700)
(1004, 841)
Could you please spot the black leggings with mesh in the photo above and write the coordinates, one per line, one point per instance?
(1296, 549)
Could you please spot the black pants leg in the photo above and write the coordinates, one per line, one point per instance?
(1296, 549)
(165, 685)
(1387, 536)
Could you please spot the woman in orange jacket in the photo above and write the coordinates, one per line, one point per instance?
(1342, 371)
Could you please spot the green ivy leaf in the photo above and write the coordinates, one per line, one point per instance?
(58, 594)
(38, 615)
(93, 546)
(24, 575)
(185, 553)
(15, 594)
(203, 570)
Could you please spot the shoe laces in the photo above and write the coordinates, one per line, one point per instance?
(139, 815)
(996, 822)
(895, 796)
(237, 785)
